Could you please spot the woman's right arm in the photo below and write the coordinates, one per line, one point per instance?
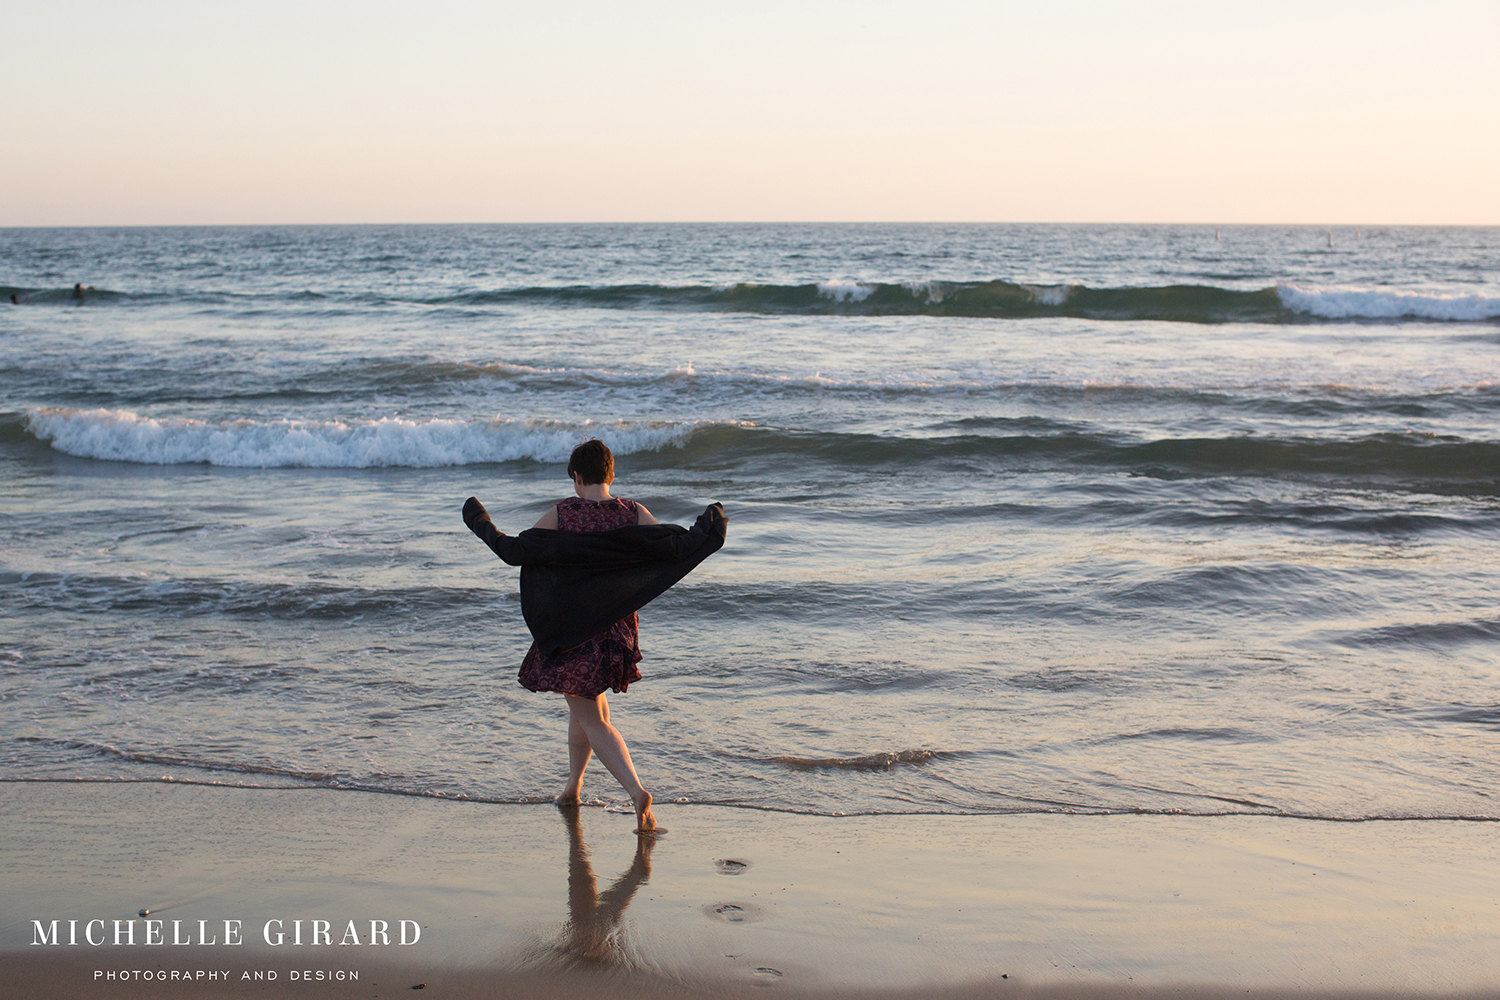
(548, 520)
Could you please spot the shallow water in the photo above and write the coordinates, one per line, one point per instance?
(1022, 517)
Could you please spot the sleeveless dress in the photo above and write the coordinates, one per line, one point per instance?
(608, 660)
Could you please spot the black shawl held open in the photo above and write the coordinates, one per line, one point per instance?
(575, 585)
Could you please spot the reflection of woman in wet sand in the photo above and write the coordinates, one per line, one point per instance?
(593, 916)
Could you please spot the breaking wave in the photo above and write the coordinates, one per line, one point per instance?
(1000, 299)
(1365, 303)
(122, 436)
(1015, 300)
(1441, 463)
(980, 299)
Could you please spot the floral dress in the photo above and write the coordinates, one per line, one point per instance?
(607, 660)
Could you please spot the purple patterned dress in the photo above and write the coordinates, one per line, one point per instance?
(608, 660)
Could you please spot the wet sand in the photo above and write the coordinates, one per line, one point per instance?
(533, 901)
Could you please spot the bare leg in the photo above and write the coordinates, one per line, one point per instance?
(579, 753)
(592, 717)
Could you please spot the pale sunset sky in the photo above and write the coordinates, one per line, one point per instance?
(160, 112)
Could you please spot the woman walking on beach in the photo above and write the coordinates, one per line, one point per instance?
(587, 565)
(608, 660)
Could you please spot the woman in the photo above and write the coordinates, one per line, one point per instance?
(605, 661)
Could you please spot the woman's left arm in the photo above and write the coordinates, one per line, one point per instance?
(643, 516)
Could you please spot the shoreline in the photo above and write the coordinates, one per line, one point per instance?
(1078, 813)
(532, 899)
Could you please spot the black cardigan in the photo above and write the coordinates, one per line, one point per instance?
(575, 585)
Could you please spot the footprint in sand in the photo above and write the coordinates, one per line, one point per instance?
(734, 913)
(731, 866)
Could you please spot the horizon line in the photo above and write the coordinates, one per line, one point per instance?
(755, 222)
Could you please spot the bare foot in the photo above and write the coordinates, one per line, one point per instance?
(566, 799)
(645, 818)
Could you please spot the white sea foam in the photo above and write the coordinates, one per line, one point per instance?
(845, 291)
(1369, 303)
(122, 436)
(928, 291)
(1050, 295)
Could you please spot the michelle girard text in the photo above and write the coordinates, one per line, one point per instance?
(276, 932)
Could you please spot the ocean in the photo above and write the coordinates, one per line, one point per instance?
(1023, 518)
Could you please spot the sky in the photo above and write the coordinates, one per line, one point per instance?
(157, 113)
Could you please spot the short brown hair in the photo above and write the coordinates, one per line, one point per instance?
(593, 462)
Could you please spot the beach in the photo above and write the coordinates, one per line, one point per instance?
(728, 902)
